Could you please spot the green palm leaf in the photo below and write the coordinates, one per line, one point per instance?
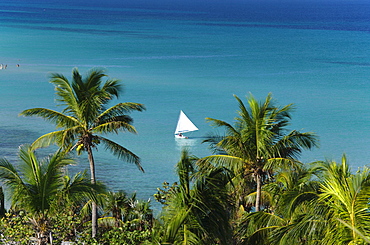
(59, 119)
(119, 110)
(121, 152)
(114, 126)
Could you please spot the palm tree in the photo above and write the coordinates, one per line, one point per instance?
(332, 208)
(196, 209)
(116, 204)
(40, 184)
(346, 197)
(85, 119)
(140, 214)
(289, 219)
(257, 143)
(179, 224)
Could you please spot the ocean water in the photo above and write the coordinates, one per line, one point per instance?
(191, 56)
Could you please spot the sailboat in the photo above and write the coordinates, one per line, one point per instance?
(184, 125)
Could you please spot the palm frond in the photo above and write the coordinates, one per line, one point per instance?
(120, 109)
(113, 87)
(359, 233)
(65, 93)
(281, 163)
(291, 145)
(256, 226)
(59, 119)
(94, 78)
(219, 123)
(79, 188)
(233, 163)
(63, 138)
(121, 152)
(9, 174)
(114, 125)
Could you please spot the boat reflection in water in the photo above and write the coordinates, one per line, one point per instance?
(187, 144)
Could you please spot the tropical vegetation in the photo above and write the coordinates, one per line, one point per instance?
(251, 189)
(257, 145)
(85, 118)
(40, 190)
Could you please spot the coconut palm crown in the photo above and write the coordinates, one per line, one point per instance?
(258, 142)
(86, 117)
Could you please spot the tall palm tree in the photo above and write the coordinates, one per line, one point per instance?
(85, 118)
(36, 185)
(257, 143)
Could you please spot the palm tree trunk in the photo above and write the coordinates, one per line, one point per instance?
(258, 193)
(94, 214)
(2, 202)
(117, 216)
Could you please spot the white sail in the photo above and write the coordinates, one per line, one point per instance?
(184, 124)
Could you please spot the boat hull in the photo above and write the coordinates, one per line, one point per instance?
(181, 136)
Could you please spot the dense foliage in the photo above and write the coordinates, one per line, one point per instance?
(317, 203)
(252, 190)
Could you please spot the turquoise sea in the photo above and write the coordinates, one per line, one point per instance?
(191, 56)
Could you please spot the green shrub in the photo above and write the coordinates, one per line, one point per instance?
(117, 236)
(16, 227)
